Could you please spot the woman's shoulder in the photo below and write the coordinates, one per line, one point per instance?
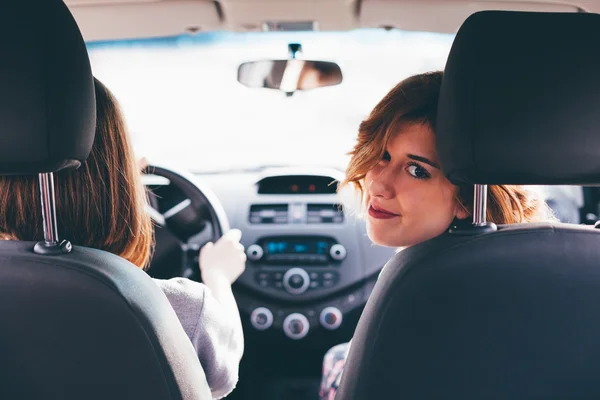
(181, 288)
(187, 298)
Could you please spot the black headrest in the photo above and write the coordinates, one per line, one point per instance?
(520, 100)
(47, 103)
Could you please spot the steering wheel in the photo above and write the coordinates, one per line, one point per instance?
(196, 210)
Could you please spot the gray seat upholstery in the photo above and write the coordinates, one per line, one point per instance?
(83, 324)
(512, 312)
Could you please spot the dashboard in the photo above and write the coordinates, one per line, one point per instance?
(311, 266)
(310, 261)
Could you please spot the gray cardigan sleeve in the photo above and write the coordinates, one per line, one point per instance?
(213, 335)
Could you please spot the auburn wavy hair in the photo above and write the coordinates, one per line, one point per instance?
(99, 205)
(414, 100)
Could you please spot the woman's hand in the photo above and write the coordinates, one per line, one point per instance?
(224, 260)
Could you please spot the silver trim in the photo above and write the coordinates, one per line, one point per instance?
(151, 179)
(335, 249)
(296, 271)
(177, 208)
(48, 208)
(480, 205)
(331, 310)
(252, 249)
(254, 315)
(287, 322)
(155, 215)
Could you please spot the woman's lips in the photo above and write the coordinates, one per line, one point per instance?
(380, 213)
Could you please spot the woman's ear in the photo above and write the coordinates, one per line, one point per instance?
(461, 211)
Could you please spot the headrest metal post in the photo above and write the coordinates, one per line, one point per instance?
(480, 205)
(51, 244)
(479, 224)
(48, 208)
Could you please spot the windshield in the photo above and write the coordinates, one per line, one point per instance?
(185, 108)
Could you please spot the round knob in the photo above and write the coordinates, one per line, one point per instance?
(254, 252)
(337, 252)
(261, 318)
(331, 318)
(296, 281)
(296, 326)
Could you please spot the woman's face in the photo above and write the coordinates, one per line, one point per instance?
(408, 198)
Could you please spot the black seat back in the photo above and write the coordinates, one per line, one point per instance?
(508, 315)
(89, 325)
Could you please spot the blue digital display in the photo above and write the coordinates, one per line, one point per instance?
(297, 246)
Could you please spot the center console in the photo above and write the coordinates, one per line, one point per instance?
(310, 263)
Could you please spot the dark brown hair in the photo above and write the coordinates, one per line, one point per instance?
(100, 205)
(414, 100)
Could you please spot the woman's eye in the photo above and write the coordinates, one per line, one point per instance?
(417, 171)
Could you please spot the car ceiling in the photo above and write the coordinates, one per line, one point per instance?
(127, 19)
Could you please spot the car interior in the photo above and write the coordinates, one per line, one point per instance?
(246, 111)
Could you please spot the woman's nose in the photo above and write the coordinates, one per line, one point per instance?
(381, 185)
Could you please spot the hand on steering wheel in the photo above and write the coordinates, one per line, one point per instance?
(199, 209)
(225, 258)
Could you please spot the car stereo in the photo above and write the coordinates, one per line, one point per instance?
(296, 249)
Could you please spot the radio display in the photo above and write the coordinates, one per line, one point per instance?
(296, 246)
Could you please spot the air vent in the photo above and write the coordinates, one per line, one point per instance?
(324, 214)
(269, 214)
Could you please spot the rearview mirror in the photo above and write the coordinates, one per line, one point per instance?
(289, 75)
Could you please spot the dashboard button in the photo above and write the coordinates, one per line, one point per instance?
(328, 283)
(349, 300)
(296, 326)
(314, 275)
(331, 318)
(279, 284)
(278, 275)
(254, 252)
(263, 275)
(337, 252)
(261, 318)
(263, 283)
(328, 275)
(314, 285)
(296, 281)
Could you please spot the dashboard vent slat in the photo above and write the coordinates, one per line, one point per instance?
(269, 214)
(324, 214)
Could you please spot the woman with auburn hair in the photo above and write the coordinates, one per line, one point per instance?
(102, 205)
(405, 196)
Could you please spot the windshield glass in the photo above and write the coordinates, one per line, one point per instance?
(185, 108)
